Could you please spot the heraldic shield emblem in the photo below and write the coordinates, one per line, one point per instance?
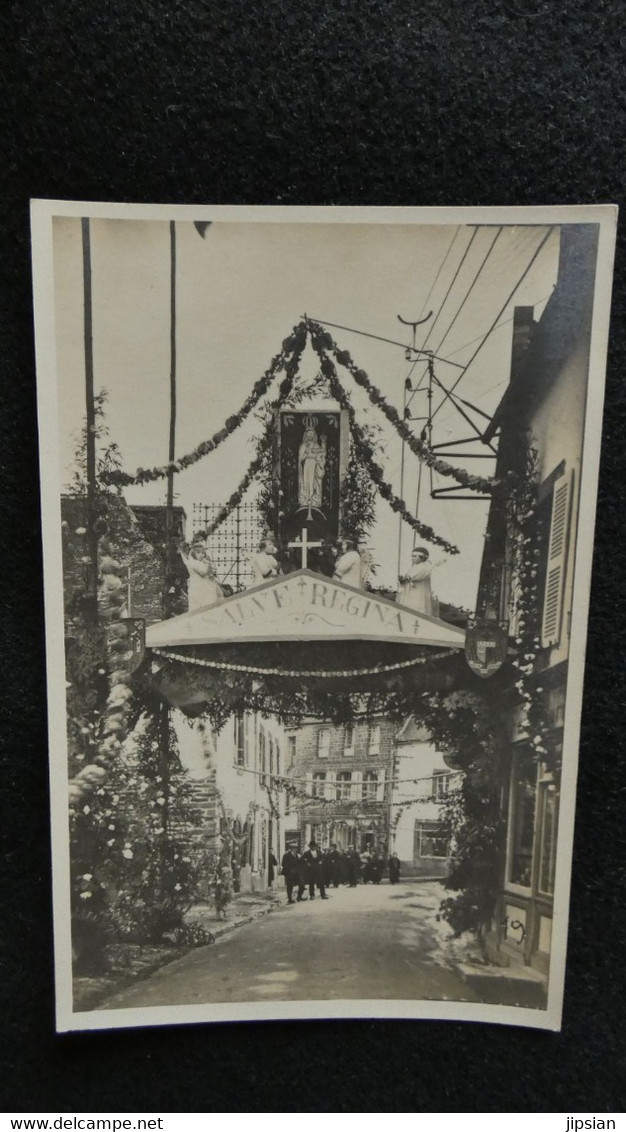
(486, 645)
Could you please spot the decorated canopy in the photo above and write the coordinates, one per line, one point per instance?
(304, 606)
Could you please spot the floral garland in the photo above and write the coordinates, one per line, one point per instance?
(114, 726)
(255, 670)
(265, 444)
(522, 511)
(293, 345)
(364, 452)
(323, 341)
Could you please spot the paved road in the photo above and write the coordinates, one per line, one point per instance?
(368, 942)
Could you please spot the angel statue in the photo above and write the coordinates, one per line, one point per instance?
(204, 588)
(415, 590)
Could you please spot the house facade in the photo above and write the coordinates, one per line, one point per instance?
(542, 413)
(421, 783)
(341, 783)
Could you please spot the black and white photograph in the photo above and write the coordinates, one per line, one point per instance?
(318, 498)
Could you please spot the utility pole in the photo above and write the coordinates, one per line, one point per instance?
(169, 504)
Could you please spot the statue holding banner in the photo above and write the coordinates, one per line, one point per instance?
(311, 467)
(204, 588)
(264, 563)
(349, 567)
(415, 589)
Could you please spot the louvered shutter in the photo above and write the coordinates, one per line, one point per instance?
(330, 786)
(555, 570)
(380, 792)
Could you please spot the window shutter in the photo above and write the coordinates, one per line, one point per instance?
(380, 791)
(329, 786)
(309, 783)
(555, 570)
(323, 743)
(356, 788)
(374, 740)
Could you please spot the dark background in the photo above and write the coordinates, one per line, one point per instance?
(412, 102)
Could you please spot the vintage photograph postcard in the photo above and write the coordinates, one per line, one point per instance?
(318, 494)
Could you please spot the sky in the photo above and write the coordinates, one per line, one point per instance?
(239, 292)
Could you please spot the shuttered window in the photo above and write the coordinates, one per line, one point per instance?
(556, 563)
(343, 786)
(323, 743)
(370, 786)
(318, 784)
(240, 745)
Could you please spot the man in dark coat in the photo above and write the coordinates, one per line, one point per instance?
(354, 867)
(313, 862)
(292, 873)
(334, 867)
(394, 868)
(376, 868)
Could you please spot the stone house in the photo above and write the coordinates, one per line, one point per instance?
(341, 779)
(544, 406)
(421, 780)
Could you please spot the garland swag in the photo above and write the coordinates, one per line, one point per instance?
(323, 341)
(265, 444)
(365, 453)
(292, 348)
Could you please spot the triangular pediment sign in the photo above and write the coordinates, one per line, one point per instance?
(304, 606)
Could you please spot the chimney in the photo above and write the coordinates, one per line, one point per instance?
(523, 325)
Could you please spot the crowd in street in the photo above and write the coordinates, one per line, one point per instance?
(317, 869)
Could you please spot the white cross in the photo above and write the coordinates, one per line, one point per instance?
(303, 544)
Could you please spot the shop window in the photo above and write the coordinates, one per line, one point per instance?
(344, 786)
(323, 743)
(547, 822)
(522, 821)
(430, 841)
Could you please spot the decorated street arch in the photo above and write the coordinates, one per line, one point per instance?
(303, 638)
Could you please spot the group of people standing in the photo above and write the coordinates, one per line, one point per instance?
(318, 869)
(352, 566)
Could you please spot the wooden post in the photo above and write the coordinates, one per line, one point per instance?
(169, 505)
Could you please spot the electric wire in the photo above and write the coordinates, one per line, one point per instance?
(521, 279)
(472, 285)
(439, 270)
(451, 285)
(463, 301)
